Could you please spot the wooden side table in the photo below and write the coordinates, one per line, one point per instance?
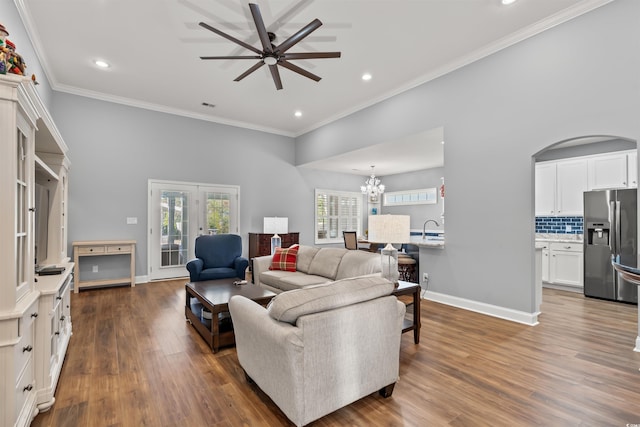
(103, 248)
(413, 289)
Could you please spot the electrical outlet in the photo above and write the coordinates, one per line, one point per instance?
(425, 277)
(95, 269)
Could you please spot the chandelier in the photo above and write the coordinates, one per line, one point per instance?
(372, 187)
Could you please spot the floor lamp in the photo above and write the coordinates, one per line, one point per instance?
(389, 229)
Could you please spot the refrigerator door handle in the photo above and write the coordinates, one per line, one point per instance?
(618, 228)
(613, 233)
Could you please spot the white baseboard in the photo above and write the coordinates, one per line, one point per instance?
(530, 319)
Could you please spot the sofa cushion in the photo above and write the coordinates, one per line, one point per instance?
(358, 263)
(285, 259)
(286, 280)
(325, 263)
(305, 256)
(288, 306)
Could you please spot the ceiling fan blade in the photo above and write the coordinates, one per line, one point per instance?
(249, 71)
(275, 74)
(262, 30)
(310, 55)
(304, 32)
(231, 38)
(231, 57)
(299, 70)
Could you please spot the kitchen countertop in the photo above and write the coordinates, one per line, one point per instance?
(428, 241)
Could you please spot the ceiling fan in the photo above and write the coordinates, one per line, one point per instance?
(273, 55)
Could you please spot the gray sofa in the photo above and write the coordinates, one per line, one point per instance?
(317, 349)
(315, 266)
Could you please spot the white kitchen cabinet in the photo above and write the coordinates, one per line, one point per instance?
(546, 189)
(608, 171)
(545, 263)
(559, 187)
(632, 170)
(572, 180)
(566, 264)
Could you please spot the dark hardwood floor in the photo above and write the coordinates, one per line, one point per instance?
(134, 361)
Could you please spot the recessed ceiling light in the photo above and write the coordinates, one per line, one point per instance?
(298, 114)
(102, 64)
(366, 77)
(505, 2)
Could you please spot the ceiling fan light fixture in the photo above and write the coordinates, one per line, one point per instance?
(270, 60)
(506, 2)
(366, 77)
(298, 113)
(101, 64)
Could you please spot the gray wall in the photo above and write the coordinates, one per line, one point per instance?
(579, 78)
(115, 149)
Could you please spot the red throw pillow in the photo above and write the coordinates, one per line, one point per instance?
(285, 259)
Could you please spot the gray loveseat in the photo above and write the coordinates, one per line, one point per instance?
(315, 266)
(317, 349)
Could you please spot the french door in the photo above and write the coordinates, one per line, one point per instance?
(178, 213)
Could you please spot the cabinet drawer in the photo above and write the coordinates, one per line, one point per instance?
(113, 249)
(88, 250)
(24, 348)
(24, 387)
(570, 247)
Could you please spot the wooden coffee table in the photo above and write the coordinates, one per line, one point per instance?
(214, 295)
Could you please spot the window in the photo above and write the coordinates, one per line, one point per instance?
(337, 211)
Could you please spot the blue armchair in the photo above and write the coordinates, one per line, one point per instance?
(217, 257)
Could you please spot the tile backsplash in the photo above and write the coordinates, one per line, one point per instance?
(559, 224)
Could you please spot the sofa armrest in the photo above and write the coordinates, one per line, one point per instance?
(240, 264)
(194, 267)
(260, 265)
(270, 352)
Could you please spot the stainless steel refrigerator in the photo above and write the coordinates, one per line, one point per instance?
(610, 230)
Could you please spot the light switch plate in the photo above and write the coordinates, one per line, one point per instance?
(567, 228)
(132, 220)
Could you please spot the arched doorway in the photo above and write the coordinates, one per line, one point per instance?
(563, 172)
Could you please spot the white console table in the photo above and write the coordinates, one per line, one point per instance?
(103, 248)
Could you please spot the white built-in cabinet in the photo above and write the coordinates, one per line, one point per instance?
(560, 183)
(33, 338)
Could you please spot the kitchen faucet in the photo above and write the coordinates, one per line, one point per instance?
(424, 226)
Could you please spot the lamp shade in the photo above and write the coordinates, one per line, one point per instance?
(389, 228)
(276, 225)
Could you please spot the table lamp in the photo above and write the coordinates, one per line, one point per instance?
(275, 225)
(389, 229)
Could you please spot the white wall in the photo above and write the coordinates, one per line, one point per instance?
(580, 78)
